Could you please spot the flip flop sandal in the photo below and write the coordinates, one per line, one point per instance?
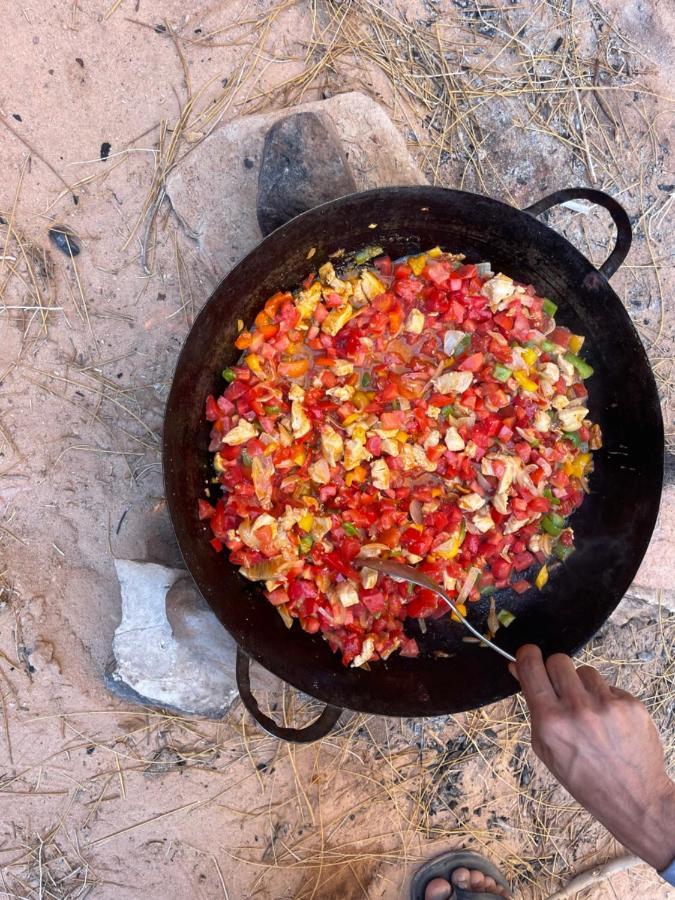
(444, 865)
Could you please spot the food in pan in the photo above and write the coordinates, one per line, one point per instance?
(426, 410)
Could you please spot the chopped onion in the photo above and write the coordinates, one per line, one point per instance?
(416, 512)
(468, 585)
(285, 615)
(484, 268)
(450, 341)
(484, 483)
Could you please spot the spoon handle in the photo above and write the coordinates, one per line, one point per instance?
(408, 573)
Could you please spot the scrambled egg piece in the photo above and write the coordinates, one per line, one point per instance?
(341, 392)
(346, 593)
(381, 474)
(295, 392)
(433, 439)
(483, 521)
(319, 471)
(572, 419)
(355, 453)
(414, 324)
(371, 284)
(498, 289)
(471, 502)
(542, 420)
(414, 456)
(368, 577)
(454, 440)
(457, 382)
(300, 424)
(243, 431)
(328, 276)
(308, 300)
(336, 319)
(342, 367)
(331, 444)
(366, 652)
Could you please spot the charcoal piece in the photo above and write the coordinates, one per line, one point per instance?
(303, 165)
(65, 239)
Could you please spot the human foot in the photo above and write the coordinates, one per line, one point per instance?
(469, 879)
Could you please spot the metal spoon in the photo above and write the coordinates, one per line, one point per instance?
(414, 576)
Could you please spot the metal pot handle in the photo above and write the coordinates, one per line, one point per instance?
(624, 232)
(318, 729)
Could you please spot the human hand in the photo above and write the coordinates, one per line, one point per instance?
(602, 745)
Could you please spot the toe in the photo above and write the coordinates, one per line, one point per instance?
(437, 889)
(490, 885)
(461, 877)
(477, 880)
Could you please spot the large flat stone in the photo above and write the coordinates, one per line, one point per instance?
(226, 165)
(170, 650)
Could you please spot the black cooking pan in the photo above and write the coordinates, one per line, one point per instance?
(612, 528)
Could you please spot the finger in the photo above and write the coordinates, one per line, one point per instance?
(593, 681)
(564, 677)
(533, 677)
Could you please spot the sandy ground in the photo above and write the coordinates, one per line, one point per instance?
(101, 798)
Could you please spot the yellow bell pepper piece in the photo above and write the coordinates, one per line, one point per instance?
(526, 383)
(352, 417)
(417, 263)
(361, 399)
(529, 354)
(402, 436)
(306, 522)
(576, 343)
(299, 455)
(542, 577)
(577, 467)
(357, 475)
(253, 362)
(434, 252)
(461, 608)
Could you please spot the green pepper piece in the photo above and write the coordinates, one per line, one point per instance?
(573, 438)
(306, 541)
(366, 380)
(550, 347)
(582, 367)
(505, 617)
(548, 493)
(487, 590)
(553, 524)
(367, 253)
(349, 529)
(246, 460)
(549, 307)
(501, 373)
(272, 410)
(462, 346)
(229, 375)
(448, 410)
(562, 552)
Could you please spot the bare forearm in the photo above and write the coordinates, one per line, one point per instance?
(649, 831)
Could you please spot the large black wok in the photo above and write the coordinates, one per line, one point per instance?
(612, 528)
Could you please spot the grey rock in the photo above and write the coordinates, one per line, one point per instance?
(303, 165)
(226, 231)
(170, 650)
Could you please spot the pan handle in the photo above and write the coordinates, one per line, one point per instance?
(624, 232)
(318, 729)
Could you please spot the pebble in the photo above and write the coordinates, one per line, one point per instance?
(63, 238)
